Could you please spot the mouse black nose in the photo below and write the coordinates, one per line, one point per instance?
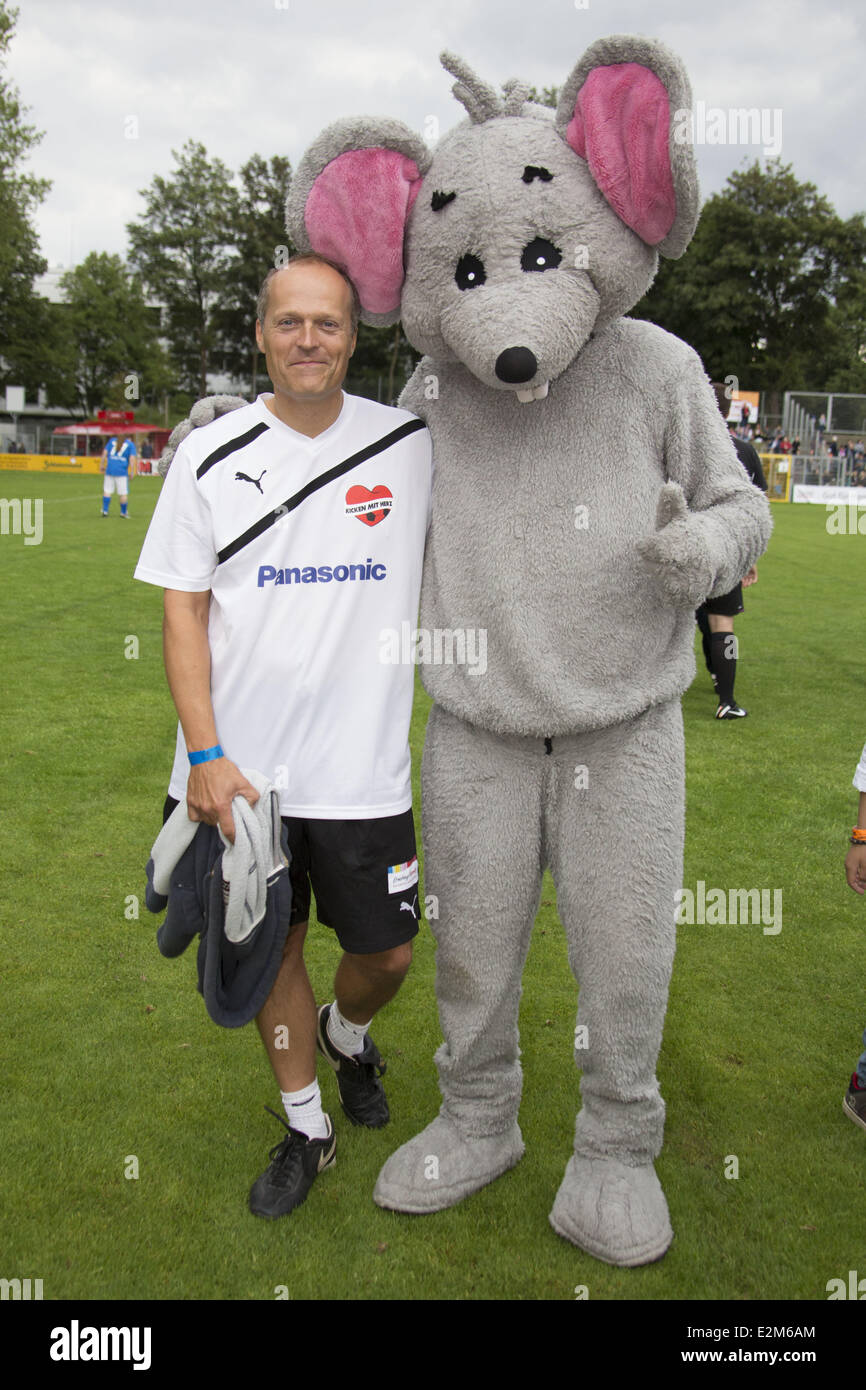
(516, 364)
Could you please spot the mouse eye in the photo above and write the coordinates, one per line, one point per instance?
(470, 273)
(540, 255)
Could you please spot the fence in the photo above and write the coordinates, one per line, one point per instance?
(784, 472)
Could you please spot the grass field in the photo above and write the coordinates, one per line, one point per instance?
(108, 1054)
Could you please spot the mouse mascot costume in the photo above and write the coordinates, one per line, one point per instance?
(586, 500)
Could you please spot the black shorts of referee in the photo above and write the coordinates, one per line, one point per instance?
(725, 606)
(364, 874)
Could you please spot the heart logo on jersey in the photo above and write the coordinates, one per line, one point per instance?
(369, 507)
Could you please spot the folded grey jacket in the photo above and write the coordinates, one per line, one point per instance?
(237, 897)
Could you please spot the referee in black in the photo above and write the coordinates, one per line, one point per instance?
(715, 617)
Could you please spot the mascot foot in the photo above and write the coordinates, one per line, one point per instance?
(441, 1166)
(616, 1213)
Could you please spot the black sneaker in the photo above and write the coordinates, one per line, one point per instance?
(362, 1094)
(295, 1163)
(854, 1104)
(731, 712)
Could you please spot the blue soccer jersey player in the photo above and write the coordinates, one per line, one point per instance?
(116, 458)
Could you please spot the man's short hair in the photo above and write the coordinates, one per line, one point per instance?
(298, 259)
(723, 400)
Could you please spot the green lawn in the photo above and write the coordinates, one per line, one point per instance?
(108, 1052)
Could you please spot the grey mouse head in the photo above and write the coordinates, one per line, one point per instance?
(524, 230)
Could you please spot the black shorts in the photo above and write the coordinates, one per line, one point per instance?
(726, 605)
(357, 870)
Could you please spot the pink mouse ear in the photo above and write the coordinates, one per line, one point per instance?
(350, 200)
(356, 214)
(620, 127)
(616, 111)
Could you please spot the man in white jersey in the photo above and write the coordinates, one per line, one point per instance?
(289, 535)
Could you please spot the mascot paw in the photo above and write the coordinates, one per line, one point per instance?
(441, 1166)
(677, 554)
(204, 412)
(616, 1213)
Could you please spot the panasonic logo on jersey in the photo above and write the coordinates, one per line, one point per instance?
(319, 574)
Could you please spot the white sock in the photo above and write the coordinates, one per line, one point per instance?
(347, 1037)
(304, 1111)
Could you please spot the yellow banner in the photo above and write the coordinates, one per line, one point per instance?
(49, 463)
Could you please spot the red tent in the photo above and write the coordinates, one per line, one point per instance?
(109, 422)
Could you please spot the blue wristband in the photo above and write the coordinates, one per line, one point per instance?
(205, 755)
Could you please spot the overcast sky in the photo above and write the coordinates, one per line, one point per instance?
(264, 76)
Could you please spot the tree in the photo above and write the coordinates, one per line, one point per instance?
(20, 261)
(182, 245)
(761, 291)
(381, 364)
(259, 242)
(844, 360)
(548, 96)
(115, 358)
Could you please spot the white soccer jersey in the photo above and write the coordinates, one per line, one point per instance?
(302, 608)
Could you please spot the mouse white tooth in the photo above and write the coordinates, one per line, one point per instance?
(539, 392)
(525, 394)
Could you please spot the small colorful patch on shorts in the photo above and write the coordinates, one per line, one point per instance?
(403, 876)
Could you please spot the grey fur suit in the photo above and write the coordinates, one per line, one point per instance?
(586, 500)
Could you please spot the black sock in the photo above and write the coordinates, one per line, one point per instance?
(701, 619)
(723, 659)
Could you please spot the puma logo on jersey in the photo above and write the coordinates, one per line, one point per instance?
(244, 478)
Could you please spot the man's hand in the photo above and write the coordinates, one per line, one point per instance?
(210, 790)
(855, 868)
(751, 577)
